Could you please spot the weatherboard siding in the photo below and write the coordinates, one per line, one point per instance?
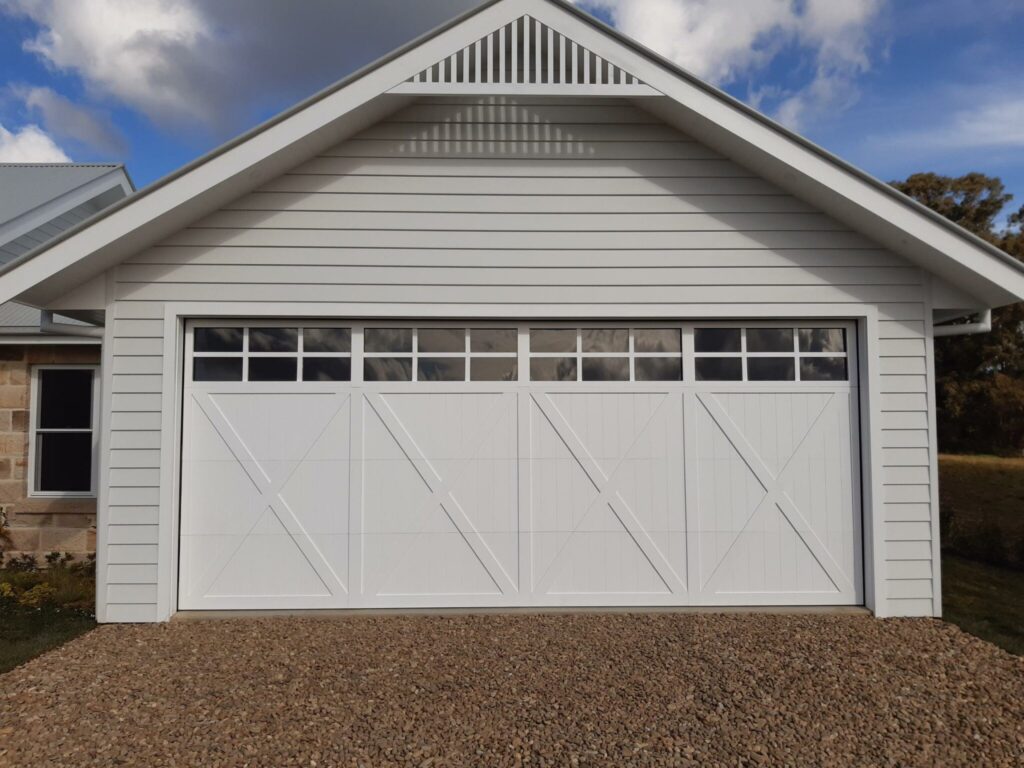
(455, 203)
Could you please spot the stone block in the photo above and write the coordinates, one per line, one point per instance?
(12, 396)
(62, 540)
(18, 374)
(6, 467)
(19, 421)
(11, 490)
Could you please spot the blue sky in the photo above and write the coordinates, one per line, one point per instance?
(894, 86)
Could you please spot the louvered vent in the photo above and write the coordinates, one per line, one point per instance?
(525, 52)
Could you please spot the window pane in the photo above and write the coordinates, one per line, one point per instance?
(606, 340)
(823, 369)
(659, 369)
(217, 369)
(494, 369)
(387, 368)
(64, 461)
(658, 340)
(327, 340)
(771, 369)
(719, 369)
(442, 369)
(606, 369)
(273, 369)
(327, 369)
(769, 339)
(217, 339)
(822, 340)
(388, 340)
(553, 369)
(65, 399)
(717, 339)
(442, 340)
(494, 340)
(558, 340)
(273, 340)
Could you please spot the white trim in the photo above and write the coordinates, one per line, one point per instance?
(34, 411)
(933, 456)
(103, 491)
(868, 383)
(528, 89)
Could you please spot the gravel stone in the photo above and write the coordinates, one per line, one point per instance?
(519, 690)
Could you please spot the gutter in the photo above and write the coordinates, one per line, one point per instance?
(47, 325)
(983, 325)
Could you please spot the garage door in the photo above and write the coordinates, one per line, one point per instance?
(334, 465)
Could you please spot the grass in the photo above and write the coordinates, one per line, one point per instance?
(982, 512)
(27, 632)
(982, 500)
(985, 600)
(43, 609)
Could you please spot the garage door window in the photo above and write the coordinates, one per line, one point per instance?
(606, 354)
(441, 354)
(268, 354)
(770, 354)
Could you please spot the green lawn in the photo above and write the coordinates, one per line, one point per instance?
(985, 600)
(28, 632)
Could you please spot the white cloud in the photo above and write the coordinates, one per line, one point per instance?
(29, 144)
(993, 120)
(725, 41)
(68, 120)
(214, 64)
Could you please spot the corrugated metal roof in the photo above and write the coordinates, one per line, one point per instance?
(18, 319)
(26, 186)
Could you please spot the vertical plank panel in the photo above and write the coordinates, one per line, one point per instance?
(515, 53)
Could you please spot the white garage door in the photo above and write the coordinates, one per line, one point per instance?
(333, 465)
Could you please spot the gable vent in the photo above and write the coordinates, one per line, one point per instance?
(524, 53)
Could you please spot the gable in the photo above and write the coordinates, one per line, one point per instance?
(680, 100)
(549, 203)
(526, 52)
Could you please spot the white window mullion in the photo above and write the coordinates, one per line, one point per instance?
(357, 355)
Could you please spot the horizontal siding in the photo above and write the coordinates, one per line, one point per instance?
(456, 202)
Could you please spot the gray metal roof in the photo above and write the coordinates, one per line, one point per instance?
(26, 186)
(20, 320)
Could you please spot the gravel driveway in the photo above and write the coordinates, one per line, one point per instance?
(659, 689)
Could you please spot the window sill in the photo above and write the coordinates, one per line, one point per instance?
(83, 496)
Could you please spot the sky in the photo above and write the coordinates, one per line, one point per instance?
(893, 86)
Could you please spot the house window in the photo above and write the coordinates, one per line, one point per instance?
(62, 451)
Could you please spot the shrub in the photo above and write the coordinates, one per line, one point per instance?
(40, 594)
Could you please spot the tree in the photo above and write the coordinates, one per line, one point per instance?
(979, 379)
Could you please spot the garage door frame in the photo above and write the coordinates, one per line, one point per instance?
(790, 319)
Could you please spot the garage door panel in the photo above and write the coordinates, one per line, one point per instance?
(588, 536)
(755, 538)
(427, 520)
(257, 515)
